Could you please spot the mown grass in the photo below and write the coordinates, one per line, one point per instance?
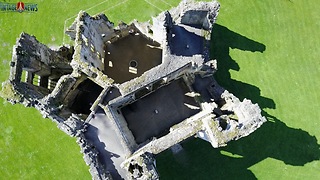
(267, 51)
(32, 147)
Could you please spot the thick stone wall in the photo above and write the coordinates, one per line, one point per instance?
(222, 117)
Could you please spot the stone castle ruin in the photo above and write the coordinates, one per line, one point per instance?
(132, 91)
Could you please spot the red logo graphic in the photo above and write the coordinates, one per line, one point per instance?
(20, 6)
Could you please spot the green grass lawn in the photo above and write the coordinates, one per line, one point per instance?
(267, 51)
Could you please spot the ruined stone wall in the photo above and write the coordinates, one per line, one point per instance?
(242, 119)
(103, 26)
(171, 68)
(61, 90)
(75, 127)
(192, 13)
(159, 27)
(91, 48)
(222, 118)
(15, 67)
(92, 34)
(118, 120)
(36, 57)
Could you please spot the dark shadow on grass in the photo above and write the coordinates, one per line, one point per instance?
(274, 139)
(222, 40)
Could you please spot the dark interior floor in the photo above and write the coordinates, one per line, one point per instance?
(201, 85)
(88, 92)
(185, 43)
(131, 51)
(112, 93)
(153, 115)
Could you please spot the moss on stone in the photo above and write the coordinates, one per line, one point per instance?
(8, 92)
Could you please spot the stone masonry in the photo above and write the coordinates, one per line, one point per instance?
(131, 91)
